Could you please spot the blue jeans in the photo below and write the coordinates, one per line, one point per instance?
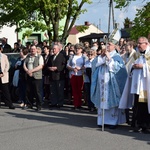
(22, 90)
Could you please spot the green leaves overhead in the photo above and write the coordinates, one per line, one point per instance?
(122, 3)
(41, 15)
(141, 23)
(82, 28)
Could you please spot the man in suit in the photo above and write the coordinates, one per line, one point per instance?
(56, 66)
(4, 79)
(6, 47)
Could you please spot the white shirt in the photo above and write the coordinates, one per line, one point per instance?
(88, 64)
(77, 61)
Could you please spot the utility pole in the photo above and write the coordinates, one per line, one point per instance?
(99, 23)
(111, 12)
(109, 17)
(113, 19)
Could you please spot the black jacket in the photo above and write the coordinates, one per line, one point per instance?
(7, 48)
(45, 67)
(60, 63)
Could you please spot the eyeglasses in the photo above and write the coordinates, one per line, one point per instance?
(141, 43)
(90, 54)
(78, 48)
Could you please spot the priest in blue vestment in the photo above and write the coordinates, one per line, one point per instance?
(108, 79)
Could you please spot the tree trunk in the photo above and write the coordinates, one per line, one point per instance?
(50, 37)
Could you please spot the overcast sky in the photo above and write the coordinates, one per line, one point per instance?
(98, 13)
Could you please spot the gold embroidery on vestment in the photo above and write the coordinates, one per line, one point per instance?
(143, 96)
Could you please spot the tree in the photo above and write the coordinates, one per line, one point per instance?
(141, 23)
(42, 15)
(122, 3)
(127, 23)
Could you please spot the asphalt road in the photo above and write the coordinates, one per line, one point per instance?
(63, 129)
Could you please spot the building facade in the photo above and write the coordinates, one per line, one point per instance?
(74, 34)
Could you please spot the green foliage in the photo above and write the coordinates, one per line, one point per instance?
(127, 22)
(122, 3)
(27, 33)
(82, 28)
(141, 23)
(41, 15)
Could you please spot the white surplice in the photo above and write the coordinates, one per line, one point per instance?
(137, 83)
(139, 77)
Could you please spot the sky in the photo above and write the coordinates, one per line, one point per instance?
(98, 13)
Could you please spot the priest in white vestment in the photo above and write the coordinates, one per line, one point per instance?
(128, 60)
(108, 80)
(136, 92)
(128, 56)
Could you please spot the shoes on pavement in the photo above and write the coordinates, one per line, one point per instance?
(145, 130)
(52, 106)
(27, 107)
(59, 106)
(22, 104)
(12, 107)
(112, 126)
(38, 108)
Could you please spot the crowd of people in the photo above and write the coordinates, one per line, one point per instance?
(111, 78)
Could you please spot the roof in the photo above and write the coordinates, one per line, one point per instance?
(93, 36)
(74, 29)
(124, 34)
